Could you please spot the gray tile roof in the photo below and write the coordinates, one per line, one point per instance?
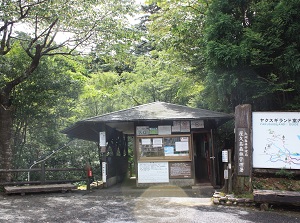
(158, 111)
(123, 120)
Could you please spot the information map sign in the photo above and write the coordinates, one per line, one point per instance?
(276, 140)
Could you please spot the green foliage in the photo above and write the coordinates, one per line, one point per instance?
(165, 81)
(43, 106)
(40, 91)
(258, 185)
(245, 196)
(285, 173)
(243, 51)
(101, 94)
(250, 41)
(213, 54)
(158, 75)
(154, 78)
(13, 64)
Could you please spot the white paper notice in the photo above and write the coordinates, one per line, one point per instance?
(184, 139)
(164, 130)
(197, 124)
(157, 142)
(146, 141)
(153, 172)
(181, 146)
(176, 126)
(102, 139)
(185, 126)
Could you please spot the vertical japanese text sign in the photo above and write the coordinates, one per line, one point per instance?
(243, 148)
(104, 172)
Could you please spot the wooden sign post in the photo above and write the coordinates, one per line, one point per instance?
(243, 149)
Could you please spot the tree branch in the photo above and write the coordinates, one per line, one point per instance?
(5, 41)
(34, 64)
(48, 33)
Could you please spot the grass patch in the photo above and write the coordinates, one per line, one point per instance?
(246, 196)
(285, 174)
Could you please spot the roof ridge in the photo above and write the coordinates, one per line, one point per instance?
(125, 109)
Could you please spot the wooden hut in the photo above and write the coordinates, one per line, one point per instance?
(172, 144)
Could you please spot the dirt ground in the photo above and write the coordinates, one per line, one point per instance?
(125, 203)
(120, 203)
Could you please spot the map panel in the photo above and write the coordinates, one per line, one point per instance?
(276, 140)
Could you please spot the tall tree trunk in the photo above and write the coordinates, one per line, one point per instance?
(6, 125)
(6, 115)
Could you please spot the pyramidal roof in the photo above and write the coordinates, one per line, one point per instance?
(158, 111)
(124, 120)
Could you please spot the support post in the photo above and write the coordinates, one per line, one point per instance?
(225, 166)
(229, 172)
(89, 176)
(43, 175)
(104, 166)
(103, 145)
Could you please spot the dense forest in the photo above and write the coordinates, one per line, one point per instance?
(65, 60)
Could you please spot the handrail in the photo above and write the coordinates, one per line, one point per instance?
(39, 169)
(47, 156)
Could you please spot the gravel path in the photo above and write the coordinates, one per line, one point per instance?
(124, 204)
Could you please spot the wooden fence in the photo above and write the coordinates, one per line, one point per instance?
(43, 179)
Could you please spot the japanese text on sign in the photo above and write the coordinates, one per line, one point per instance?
(279, 121)
(243, 147)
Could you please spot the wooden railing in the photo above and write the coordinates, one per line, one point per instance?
(43, 179)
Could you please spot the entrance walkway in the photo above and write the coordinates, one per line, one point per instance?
(128, 188)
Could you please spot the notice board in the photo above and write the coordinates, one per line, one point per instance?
(153, 172)
(180, 170)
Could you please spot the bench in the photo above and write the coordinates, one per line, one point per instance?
(266, 197)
